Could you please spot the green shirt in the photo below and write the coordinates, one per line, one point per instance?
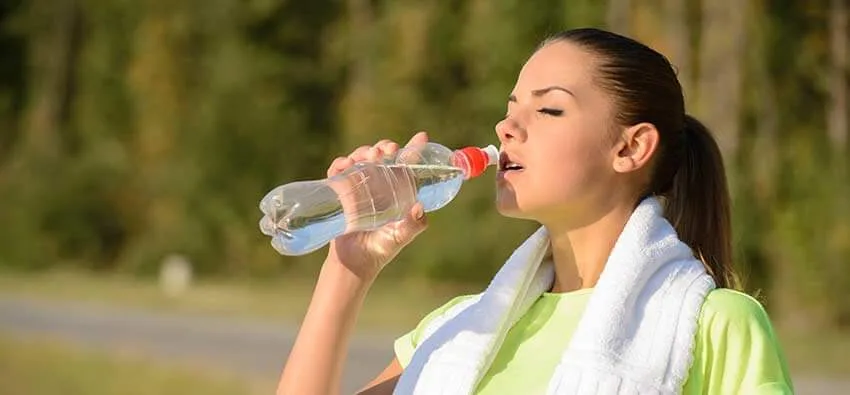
(736, 350)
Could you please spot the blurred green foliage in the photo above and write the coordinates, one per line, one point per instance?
(130, 130)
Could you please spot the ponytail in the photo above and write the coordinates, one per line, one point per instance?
(698, 202)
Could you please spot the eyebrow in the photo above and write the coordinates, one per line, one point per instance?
(543, 91)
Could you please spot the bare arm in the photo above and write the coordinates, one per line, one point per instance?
(354, 260)
(385, 383)
(315, 363)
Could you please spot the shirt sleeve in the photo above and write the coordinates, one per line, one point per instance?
(405, 345)
(737, 350)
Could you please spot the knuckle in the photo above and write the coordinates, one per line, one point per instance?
(392, 146)
(359, 150)
(337, 161)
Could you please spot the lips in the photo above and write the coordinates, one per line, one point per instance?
(509, 164)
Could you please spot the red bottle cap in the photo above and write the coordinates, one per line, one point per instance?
(474, 160)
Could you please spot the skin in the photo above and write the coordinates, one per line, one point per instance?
(582, 176)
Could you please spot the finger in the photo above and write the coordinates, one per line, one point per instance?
(413, 225)
(388, 147)
(417, 212)
(359, 153)
(339, 165)
(418, 138)
(382, 143)
(373, 154)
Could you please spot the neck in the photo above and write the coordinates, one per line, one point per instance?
(580, 253)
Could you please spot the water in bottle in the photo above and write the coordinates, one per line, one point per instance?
(303, 216)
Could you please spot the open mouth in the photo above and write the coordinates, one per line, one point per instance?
(506, 164)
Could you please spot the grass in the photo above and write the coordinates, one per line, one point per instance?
(390, 305)
(42, 367)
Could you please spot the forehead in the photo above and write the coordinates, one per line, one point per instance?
(559, 63)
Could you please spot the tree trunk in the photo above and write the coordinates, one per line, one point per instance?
(678, 36)
(761, 165)
(358, 106)
(765, 152)
(837, 118)
(722, 50)
(158, 84)
(837, 130)
(51, 61)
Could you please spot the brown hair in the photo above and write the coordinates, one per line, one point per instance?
(688, 173)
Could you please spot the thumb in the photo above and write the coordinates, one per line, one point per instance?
(412, 225)
(418, 138)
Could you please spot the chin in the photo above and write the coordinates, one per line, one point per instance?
(513, 205)
(507, 204)
(508, 212)
(512, 210)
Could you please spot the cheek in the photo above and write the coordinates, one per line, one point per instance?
(566, 167)
(569, 162)
(570, 172)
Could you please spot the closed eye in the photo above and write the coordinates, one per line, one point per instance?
(551, 111)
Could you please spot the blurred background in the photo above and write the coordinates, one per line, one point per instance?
(137, 138)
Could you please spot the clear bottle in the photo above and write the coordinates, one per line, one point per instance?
(304, 216)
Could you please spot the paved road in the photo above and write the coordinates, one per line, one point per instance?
(254, 349)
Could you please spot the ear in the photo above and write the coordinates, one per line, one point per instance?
(635, 147)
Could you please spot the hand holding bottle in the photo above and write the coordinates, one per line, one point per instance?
(371, 205)
(374, 186)
(314, 365)
(367, 252)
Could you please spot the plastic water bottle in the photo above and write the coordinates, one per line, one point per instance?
(303, 216)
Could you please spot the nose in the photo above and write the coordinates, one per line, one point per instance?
(508, 130)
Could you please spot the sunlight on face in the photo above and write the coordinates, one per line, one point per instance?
(556, 139)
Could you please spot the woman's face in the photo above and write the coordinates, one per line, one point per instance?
(559, 131)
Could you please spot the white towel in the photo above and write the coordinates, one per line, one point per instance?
(635, 337)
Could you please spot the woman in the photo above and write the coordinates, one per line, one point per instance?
(627, 286)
